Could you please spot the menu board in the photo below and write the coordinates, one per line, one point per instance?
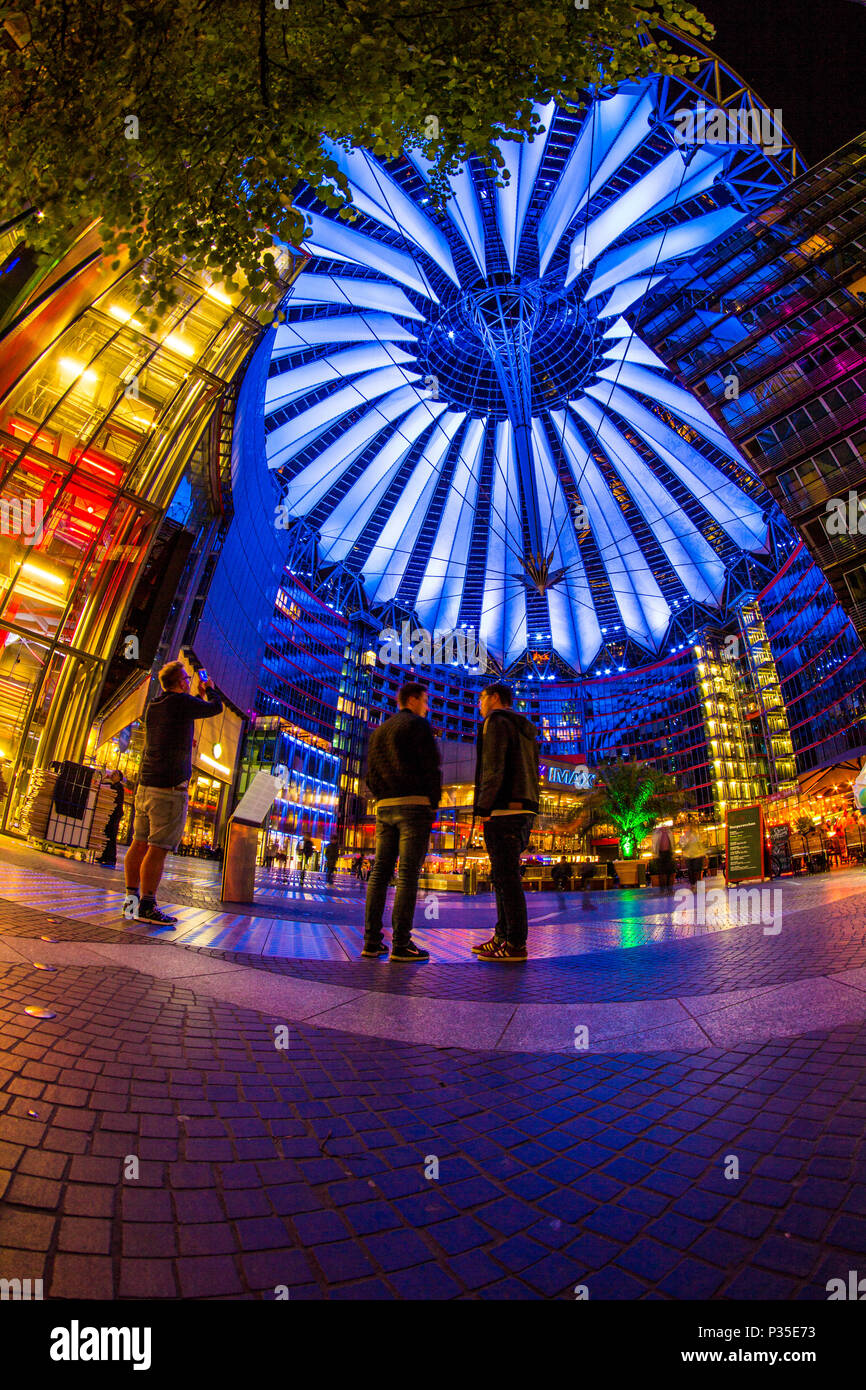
(780, 838)
(744, 843)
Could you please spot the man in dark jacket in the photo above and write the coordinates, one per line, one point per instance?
(163, 786)
(506, 801)
(404, 775)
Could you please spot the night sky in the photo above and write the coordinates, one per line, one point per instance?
(806, 57)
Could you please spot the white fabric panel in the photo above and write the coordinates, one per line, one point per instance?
(634, 349)
(523, 160)
(625, 261)
(574, 623)
(644, 611)
(339, 328)
(664, 185)
(386, 564)
(352, 292)
(628, 293)
(319, 476)
(336, 366)
(340, 531)
(613, 129)
(441, 589)
(502, 628)
(680, 401)
(735, 512)
(697, 565)
(375, 193)
(329, 238)
(289, 439)
(462, 208)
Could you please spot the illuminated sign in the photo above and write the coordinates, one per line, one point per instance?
(579, 777)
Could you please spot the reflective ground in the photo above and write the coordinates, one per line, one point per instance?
(653, 1106)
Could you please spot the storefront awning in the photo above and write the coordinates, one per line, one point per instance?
(825, 779)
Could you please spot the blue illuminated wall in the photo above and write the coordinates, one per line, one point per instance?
(821, 664)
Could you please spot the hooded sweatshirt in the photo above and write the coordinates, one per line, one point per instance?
(506, 765)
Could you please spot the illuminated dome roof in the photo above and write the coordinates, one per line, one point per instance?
(462, 408)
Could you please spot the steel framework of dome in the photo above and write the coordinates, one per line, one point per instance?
(462, 412)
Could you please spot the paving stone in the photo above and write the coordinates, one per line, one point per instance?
(85, 1235)
(692, 1280)
(210, 1276)
(397, 1249)
(146, 1205)
(26, 1230)
(425, 1282)
(82, 1276)
(315, 1228)
(263, 1233)
(35, 1192)
(150, 1239)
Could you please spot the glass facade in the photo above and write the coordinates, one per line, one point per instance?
(98, 420)
(821, 665)
(769, 331)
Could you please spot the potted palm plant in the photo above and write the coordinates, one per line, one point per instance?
(632, 797)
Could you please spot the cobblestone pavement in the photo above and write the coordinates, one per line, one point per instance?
(261, 1167)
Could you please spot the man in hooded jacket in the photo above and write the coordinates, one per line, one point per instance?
(506, 802)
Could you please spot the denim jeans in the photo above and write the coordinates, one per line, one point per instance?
(506, 837)
(402, 832)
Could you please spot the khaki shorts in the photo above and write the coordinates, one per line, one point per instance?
(160, 815)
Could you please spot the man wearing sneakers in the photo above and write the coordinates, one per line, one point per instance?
(506, 802)
(163, 786)
(404, 775)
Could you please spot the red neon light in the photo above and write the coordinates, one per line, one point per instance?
(91, 459)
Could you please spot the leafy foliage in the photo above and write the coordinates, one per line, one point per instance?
(633, 796)
(183, 126)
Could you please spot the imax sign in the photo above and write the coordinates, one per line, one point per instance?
(578, 777)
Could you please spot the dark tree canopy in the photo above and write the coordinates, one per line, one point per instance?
(183, 126)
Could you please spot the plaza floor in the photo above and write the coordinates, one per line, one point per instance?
(662, 1103)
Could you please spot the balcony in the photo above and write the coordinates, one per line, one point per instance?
(813, 436)
(741, 418)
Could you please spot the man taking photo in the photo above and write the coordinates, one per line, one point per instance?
(162, 795)
(404, 775)
(506, 802)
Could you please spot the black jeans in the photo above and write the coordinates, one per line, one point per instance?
(695, 867)
(506, 837)
(108, 857)
(402, 832)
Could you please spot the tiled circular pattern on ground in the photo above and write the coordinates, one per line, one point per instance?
(740, 959)
(305, 1166)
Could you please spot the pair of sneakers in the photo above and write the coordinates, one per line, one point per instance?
(499, 952)
(144, 909)
(409, 952)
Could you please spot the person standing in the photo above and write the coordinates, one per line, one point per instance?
(694, 851)
(108, 857)
(506, 801)
(306, 852)
(561, 875)
(162, 794)
(404, 776)
(663, 853)
(332, 854)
